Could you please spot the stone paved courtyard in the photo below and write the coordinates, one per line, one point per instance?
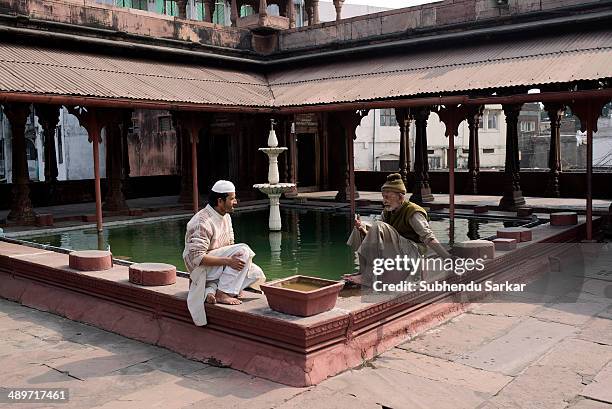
(549, 347)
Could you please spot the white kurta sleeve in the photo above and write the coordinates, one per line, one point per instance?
(231, 232)
(420, 225)
(197, 242)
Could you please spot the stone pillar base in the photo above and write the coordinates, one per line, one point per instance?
(510, 201)
(345, 195)
(422, 195)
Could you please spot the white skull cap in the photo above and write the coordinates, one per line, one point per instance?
(223, 186)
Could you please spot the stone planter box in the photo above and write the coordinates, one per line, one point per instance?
(302, 295)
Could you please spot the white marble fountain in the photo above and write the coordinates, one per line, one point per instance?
(273, 188)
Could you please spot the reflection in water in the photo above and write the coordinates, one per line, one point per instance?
(312, 243)
(275, 238)
(473, 229)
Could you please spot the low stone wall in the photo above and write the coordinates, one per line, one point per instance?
(82, 191)
(573, 184)
(414, 20)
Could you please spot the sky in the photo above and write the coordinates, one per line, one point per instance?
(395, 4)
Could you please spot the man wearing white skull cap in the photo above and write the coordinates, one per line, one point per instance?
(218, 268)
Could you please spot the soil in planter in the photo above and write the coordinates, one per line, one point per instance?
(303, 286)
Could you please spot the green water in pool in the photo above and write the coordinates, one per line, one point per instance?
(312, 243)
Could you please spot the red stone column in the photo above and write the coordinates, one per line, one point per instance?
(48, 116)
(403, 118)
(338, 7)
(513, 196)
(349, 121)
(21, 207)
(291, 13)
(91, 120)
(234, 13)
(555, 113)
(209, 9)
(421, 192)
(473, 118)
(116, 125)
(588, 112)
(190, 124)
(184, 152)
(182, 8)
(315, 11)
(452, 116)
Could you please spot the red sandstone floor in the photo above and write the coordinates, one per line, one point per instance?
(550, 347)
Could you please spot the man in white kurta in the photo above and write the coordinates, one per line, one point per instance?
(219, 269)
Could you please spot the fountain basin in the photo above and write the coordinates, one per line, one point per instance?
(302, 295)
(274, 189)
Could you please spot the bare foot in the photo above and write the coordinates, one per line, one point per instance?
(210, 299)
(223, 298)
(243, 294)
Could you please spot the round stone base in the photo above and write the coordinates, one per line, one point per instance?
(517, 233)
(563, 219)
(152, 274)
(474, 249)
(90, 260)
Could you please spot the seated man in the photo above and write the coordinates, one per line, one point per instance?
(218, 268)
(404, 230)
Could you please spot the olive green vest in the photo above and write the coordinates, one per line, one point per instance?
(400, 220)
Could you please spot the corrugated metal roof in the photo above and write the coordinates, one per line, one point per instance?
(527, 62)
(70, 73)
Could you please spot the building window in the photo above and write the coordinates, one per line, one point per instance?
(135, 126)
(527, 126)
(492, 121)
(60, 146)
(465, 150)
(387, 117)
(430, 151)
(31, 150)
(164, 124)
(434, 162)
(170, 8)
(246, 10)
(488, 150)
(219, 13)
(389, 165)
(134, 4)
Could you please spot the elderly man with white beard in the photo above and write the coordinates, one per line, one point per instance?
(404, 230)
(218, 268)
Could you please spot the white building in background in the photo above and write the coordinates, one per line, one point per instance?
(33, 145)
(72, 148)
(377, 144)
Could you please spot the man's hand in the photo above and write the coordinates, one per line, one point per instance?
(359, 226)
(236, 262)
